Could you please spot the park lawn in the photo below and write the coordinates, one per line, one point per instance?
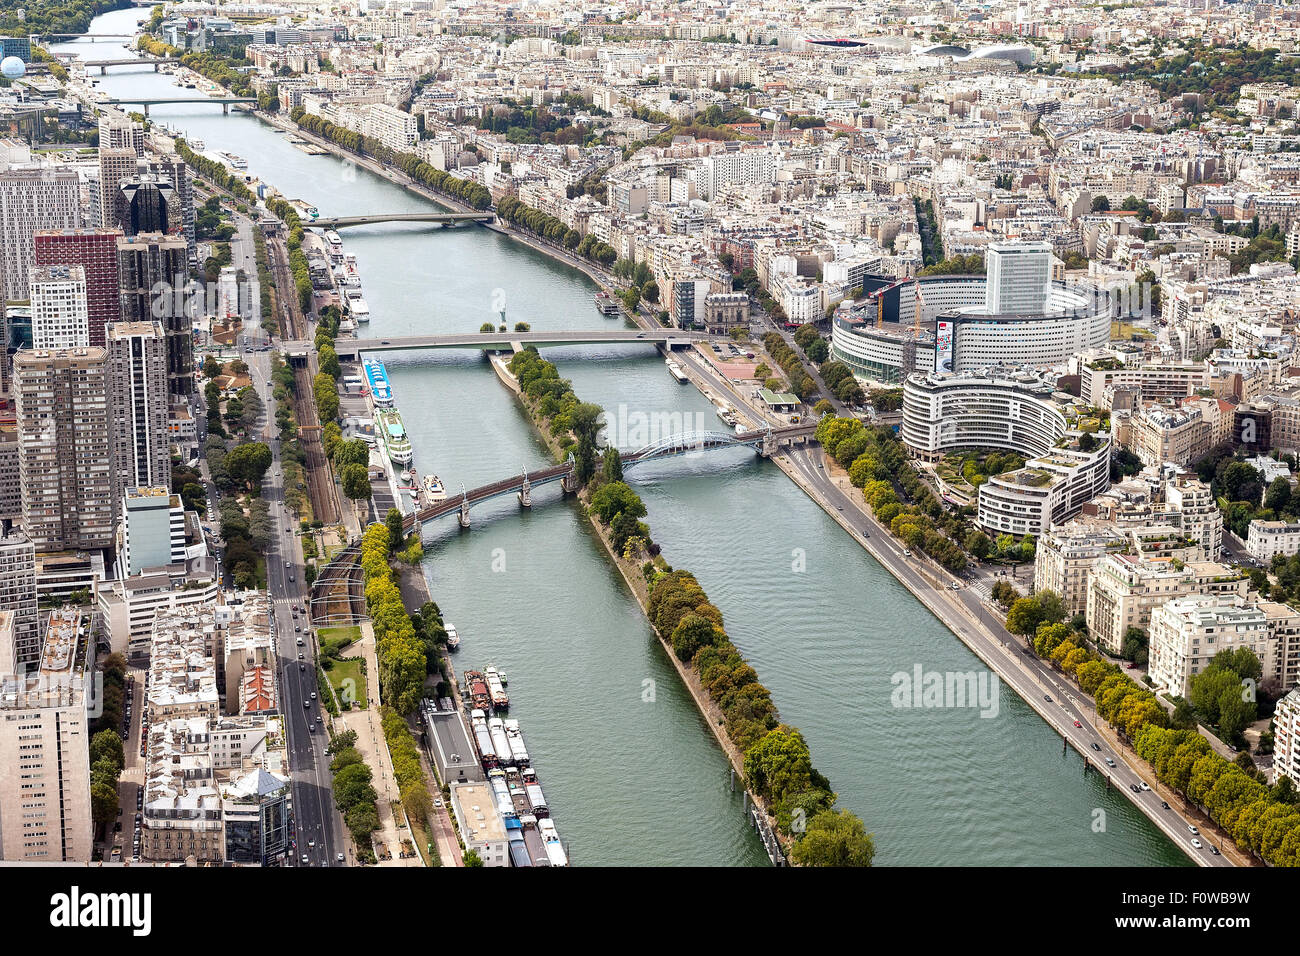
(349, 670)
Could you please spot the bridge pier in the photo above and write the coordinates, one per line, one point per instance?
(525, 494)
(464, 514)
(568, 484)
(225, 109)
(769, 447)
(145, 106)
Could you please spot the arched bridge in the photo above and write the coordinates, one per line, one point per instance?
(441, 218)
(765, 441)
(334, 600)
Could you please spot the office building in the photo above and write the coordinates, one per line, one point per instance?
(58, 301)
(121, 132)
(149, 203)
(66, 447)
(31, 200)
(95, 251)
(137, 360)
(152, 275)
(1019, 278)
(45, 810)
(116, 166)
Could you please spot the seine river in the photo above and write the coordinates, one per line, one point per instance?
(631, 773)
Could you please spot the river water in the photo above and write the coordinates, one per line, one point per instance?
(631, 773)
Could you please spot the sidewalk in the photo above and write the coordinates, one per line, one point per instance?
(374, 750)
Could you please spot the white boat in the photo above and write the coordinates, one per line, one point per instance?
(433, 489)
(676, 372)
(551, 840)
(453, 639)
(356, 305)
(405, 476)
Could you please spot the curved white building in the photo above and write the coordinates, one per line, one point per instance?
(943, 323)
(1008, 411)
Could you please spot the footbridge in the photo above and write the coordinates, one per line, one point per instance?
(351, 349)
(439, 218)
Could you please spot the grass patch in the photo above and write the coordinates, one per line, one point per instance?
(348, 678)
(334, 639)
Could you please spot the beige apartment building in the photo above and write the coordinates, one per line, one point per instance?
(1065, 557)
(45, 813)
(1124, 589)
(1188, 631)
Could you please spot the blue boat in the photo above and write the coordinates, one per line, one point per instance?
(380, 391)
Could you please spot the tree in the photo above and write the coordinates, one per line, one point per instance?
(107, 744)
(1278, 496)
(692, 633)
(103, 802)
(779, 764)
(978, 544)
(356, 482)
(249, 462)
(1100, 203)
(616, 498)
(487, 327)
(211, 367)
(354, 451)
(396, 535)
(835, 838)
(612, 469)
(471, 858)
(1024, 617)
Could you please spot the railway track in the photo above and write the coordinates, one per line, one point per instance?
(320, 482)
(337, 594)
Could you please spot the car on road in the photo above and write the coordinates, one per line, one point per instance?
(297, 629)
(1134, 788)
(313, 695)
(304, 859)
(438, 803)
(302, 666)
(1196, 843)
(286, 564)
(300, 642)
(956, 586)
(311, 728)
(306, 704)
(340, 857)
(1192, 829)
(1143, 786)
(1164, 804)
(1077, 724)
(1214, 849)
(906, 552)
(1047, 697)
(1110, 762)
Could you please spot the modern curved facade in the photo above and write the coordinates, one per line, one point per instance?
(1008, 411)
(881, 339)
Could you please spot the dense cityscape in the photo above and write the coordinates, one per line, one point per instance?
(739, 377)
